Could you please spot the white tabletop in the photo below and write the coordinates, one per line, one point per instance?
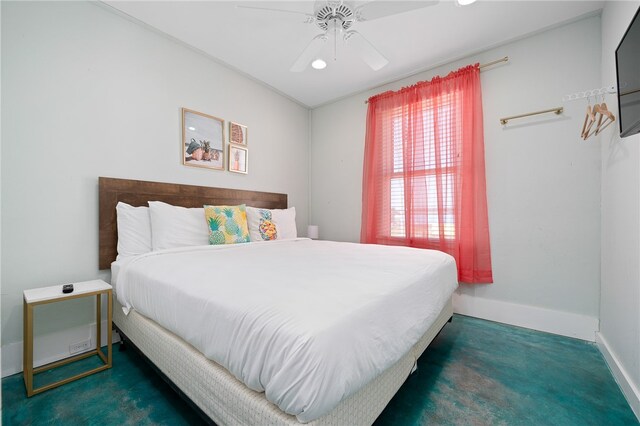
(55, 291)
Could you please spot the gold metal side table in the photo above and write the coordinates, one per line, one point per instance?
(44, 295)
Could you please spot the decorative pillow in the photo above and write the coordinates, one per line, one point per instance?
(263, 222)
(134, 230)
(269, 225)
(227, 224)
(173, 226)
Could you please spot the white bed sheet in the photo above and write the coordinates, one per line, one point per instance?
(307, 322)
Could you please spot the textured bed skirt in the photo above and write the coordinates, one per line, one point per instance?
(227, 401)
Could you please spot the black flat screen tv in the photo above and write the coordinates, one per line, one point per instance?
(628, 70)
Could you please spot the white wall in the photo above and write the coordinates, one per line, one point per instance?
(543, 181)
(620, 283)
(0, 213)
(87, 93)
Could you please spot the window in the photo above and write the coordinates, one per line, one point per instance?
(433, 214)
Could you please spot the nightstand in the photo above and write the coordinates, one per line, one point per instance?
(41, 296)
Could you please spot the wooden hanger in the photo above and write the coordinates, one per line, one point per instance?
(610, 118)
(589, 121)
(597, 117)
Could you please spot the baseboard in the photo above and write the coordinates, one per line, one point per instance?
(50, 347)
(541, 319)
(629, 389)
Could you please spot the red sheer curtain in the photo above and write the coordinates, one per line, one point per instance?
(424, 175)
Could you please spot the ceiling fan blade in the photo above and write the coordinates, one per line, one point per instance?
(367, 52)
(309, 53)
(380, 9)
(310, 18)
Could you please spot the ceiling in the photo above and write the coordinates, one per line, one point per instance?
(264, 44)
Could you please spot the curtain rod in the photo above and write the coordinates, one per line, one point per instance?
(497, 61)
(488, 64)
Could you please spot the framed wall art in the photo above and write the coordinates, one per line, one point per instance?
(202, 140)
(238, 159)
(237, 133)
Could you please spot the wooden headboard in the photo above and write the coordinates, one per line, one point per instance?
(138, 193)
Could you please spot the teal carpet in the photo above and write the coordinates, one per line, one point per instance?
(475, 373)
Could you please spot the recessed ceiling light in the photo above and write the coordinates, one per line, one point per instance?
(319, 64)
(191, 128)
(465, 2)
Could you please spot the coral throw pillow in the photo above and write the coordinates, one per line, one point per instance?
(227, 224)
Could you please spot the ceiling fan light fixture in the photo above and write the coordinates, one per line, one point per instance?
(319, 64)
(465, 2)
(336, 17)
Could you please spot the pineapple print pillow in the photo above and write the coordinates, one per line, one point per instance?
(269, 225)
(227, 224)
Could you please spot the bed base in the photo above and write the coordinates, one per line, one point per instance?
(125, 344)
(219, 398)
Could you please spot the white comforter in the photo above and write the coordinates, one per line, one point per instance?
(307, 322)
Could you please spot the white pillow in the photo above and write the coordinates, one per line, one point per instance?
(283, 220)
(173, 226)
(134, 230)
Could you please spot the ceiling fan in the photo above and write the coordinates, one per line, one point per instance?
(336, 17)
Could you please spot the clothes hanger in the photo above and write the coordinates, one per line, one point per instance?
(587, 122)
(592, 115)
(610, 118)
(597, 116)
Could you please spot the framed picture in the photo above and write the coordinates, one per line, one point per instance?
(237, 133)
(238, 159)
(202, 140)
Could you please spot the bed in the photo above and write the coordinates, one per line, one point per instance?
(232, 394)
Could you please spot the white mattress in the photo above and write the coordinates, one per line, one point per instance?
(307, 322)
